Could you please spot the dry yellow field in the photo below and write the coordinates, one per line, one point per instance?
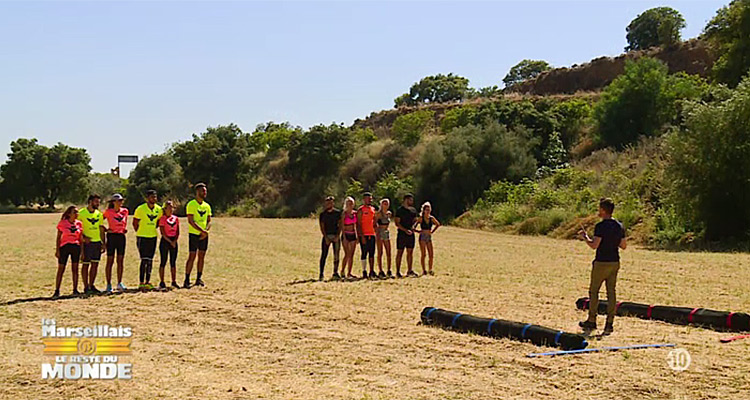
(261, 329)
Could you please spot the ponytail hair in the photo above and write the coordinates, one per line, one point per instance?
(425, 205)
(68, 211)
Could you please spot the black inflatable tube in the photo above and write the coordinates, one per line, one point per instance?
(717, 320)
(499, 328)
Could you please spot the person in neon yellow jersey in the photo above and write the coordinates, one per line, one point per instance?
(94, 241)
(199, 221)
(145, 220)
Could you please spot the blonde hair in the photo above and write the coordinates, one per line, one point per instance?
(385, 200)
(425, 205)
(348, 199)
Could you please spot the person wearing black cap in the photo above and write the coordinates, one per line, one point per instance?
(405, 217)
(330, 228)
(366, 234)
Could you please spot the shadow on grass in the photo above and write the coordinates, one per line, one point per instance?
(344, 280)
(77, 296)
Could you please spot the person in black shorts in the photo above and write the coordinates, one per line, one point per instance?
(330, 228)
(609, 237)
(68, 246)
(367, 234)
(405, 217)
(199, 224)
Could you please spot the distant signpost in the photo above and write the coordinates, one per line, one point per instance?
(122, 158)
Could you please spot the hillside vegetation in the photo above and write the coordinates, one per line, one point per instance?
(662, 130)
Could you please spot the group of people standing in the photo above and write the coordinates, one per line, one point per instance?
(88, 233)
(369, 226)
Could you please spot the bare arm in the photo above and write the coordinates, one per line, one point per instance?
(136, 222)
(322, 228)
(358, 225)
(192, 223)
(623, 243)
(436, 222)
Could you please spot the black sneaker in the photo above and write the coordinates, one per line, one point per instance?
(412, 274)
(373, 275)
(94, 290)
(587, 325)
(175, 285)
(162, 286)
(398, 275)
(364, 274)
(608, 329)
(87, 291)
(381, 275)
(320, 278)
(335, 276)
(199, 282)
(76, 292)
(56, 295)
(186, 284)
(390, 275)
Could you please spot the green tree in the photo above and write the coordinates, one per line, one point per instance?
(38, 174)
(409, 128)
(526, 69)
(709, 165)
(271, 137)
(393, 188)
(455, 117)
(435, 89)
(455, 170)
(658, 26)
(729, 35)
(159, 172)
(105, 184)
(219, 157)
(642, 101)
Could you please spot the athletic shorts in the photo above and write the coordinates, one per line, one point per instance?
(368, 247)
(195, 243)
(146, 247)
(70, 250)
(92, 252)
(115, 244)
(384, 234)
(425, 237)
(404, 241)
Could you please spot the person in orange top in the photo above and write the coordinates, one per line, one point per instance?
(117, 226)
(68, 245)
(366, 234)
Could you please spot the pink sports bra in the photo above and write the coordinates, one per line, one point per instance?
(350, 220)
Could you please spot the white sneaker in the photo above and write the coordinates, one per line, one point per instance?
(109, 288)
(121, 287)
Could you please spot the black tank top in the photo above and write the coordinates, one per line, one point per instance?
(425, 225)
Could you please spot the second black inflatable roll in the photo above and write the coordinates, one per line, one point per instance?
(536, 334)
(717, 320)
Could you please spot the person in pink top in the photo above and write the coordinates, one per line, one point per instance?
(349, 233)
(169, 225)
(117, 226)
(68, 245)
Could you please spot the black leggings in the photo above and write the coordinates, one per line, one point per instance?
(166, 250)
(368, 247)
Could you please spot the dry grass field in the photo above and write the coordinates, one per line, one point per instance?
(261, 329)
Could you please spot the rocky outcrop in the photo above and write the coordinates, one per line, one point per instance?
(692, 57)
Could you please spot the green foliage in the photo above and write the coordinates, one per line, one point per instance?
(318, 153)
(572, 116)
(246, 208)
(526, 69)
(218, 157)
(159, 172)
(455, 170)
(729, 34)
(459, 116)
(642, 101)
(435, 89)
(354, 189)
(658, 26)
(364, 135)
(105, 184)
(409, 128)
(272, 137)
(393, 188)
(710, 165)
(554, 156)
(38, 174)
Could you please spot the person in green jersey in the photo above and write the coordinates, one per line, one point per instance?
(94, 241)
(145, 223)
(199, 221)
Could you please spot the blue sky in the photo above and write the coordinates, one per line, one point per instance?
(133, 77)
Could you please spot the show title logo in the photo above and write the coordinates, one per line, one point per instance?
(86, 352)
